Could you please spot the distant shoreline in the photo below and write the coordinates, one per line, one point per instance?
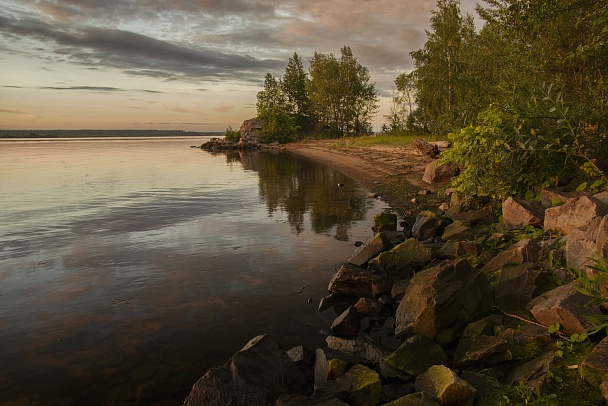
(43, 134)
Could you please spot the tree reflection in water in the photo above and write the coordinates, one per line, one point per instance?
(301, 187)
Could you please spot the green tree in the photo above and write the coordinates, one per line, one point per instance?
(298, 101)
(278, 124)
(399, 118)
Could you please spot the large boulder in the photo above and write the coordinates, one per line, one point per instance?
(459, 231)
(417, 355)
(438, 172)
(374, 246)
(517, 285)
(352, 280)
(445, 386)
(358, 348)
(384, 221)
(365, 386)
(524, 251)
(566, 306)
(427, 225)
(441, 301)
(414, 399)
(602, 238)
(484, 215)
(575, 213)
(250, 130)
(532, 373)
(257, 375)
(518, 213)
(403, 260)
(481, 351)
(347, 324)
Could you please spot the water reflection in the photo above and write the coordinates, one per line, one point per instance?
(301, 188)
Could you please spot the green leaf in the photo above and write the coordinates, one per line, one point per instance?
(581, 187)
(552, 109)
(596, 184)
(554, 328)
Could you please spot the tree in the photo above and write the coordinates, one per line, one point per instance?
(400, 113)
(278, 124)
(341, 93)
(298, 101)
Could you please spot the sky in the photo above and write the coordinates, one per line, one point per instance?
(193, 65)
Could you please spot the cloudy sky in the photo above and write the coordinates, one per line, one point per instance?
(183, 64)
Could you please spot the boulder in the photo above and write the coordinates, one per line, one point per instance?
(554, 197)
(483, 384)
(459, 231)
(445, 386)
(399, 288)
(456, 249)
(575, 213)
(358, 348)
(566, 306)
(370, 307)
(257, 375)
(427, 225)
(598, 359)
(385, 221)
(301, 356)
(250, 130)
(481, 351)
(441, 301)
(337, 301)
(483, 326)
(364, 386)
(397, 390)
(414, 399)
(580, 253)
(517, 285)
(519, 213)
(531, 334)
(352, 280)
(476, 217)
(524, 251)
(329, 365)
(422, 147)
(532, 373)
(301, 400)
(347, 324)
(374, 246)
(403, 260)
(417, 355)
(438, 172)
(602, 238)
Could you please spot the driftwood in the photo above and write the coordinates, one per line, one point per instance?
(425, 148)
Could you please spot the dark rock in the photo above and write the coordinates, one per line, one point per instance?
(385, 221)
(598, 359)
(524, 251)
(475, 217)
(370, 307)
(399, 288)
(394, 236)
(531, 333)
(347, 324)
(566, 306)
(483, 384)
(517, 285)
(358, 348)
(301, 400)
(437, 172)
(554, 197)
(481, 351)
(424, 148)
(459, 231)
(445, 386)
(415, 399)
(427, 225)
(532, 373)
(337, 301)
(519, 213)
(602, 238)
(483, 326)
(377, 244)
(417, 355)
(456, 249)
(301, 356)
(352, 280)
(329, 365)
(257, 375)
(573, 214)
(403, 260)
(441, 301)
(365, 387)
(394, 391)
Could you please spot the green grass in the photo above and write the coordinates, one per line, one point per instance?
(382, 139)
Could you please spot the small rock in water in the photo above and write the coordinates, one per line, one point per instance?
(340, 184)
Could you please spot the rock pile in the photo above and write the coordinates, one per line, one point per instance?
(433, 314)
(249, 138)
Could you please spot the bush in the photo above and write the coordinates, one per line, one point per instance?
(232, 135)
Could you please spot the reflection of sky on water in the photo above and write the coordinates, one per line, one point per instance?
(121, 257)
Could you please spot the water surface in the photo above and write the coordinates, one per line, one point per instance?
(128, 267)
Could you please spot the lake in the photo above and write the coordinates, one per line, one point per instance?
(128, 267)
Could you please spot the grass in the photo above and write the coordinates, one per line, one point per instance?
(381, 139)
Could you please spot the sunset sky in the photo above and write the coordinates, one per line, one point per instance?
(184, 64)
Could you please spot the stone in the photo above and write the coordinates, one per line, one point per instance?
(554, 197)
(602, 238)
(531, 334)
(422, 147)
(415, 399)
(399, 288)
(573, 214)
(352, 280)
(347, 324)
(598, 359)
(604, 390)
(580, 253)
(385, 221)
(483, 384)
(481, 351)
(442, 300)
(566, 306)
(365, 387)
(532, 373)
(437, 172)
(370, 307)
(483, 326)
(358, 348)
(250, 130)
(329, 364)
(260, 372)
(456, 249)
(459, 231)
(518, 213)
(337, 301)
(403, 260)
(427, 225)
(484, 215)
(301, 400)
(524, 251)
(374, 246)
(445, 386)
(517, 285)
(417, 355)
(301, 356)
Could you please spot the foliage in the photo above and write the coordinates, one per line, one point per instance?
(278, 124)
(298, 103)
(596, 287)
(400, 117)
(232, 135)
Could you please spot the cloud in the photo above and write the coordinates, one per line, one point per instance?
(7, 111)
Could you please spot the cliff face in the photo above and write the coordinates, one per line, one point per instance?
(250, 130)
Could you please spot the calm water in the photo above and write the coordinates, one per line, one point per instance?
(129, 267)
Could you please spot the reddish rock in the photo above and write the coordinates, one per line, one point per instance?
(476, 217)
(602, 238)
(598, 359)
(352, 280)
(519, 213)
(553, 197)
(575, 213)
(437, 172)
(524, 251)
(517, 285)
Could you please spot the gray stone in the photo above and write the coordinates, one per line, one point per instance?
(352, 280)
(481, 351)
(427, 225)
(519, 213)
(532, 373)
(301, 356)
(403, 260)
(524, 251)
(441, 301)
(357, 348)
(377, 244)
(257, 375)
(517, 285)
(573, 214)
(580, 253)
(445, 386)
(566, 306)
(417, 355)
(437, 172)
(459, 231)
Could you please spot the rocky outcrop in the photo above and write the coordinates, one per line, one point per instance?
(250, 130)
